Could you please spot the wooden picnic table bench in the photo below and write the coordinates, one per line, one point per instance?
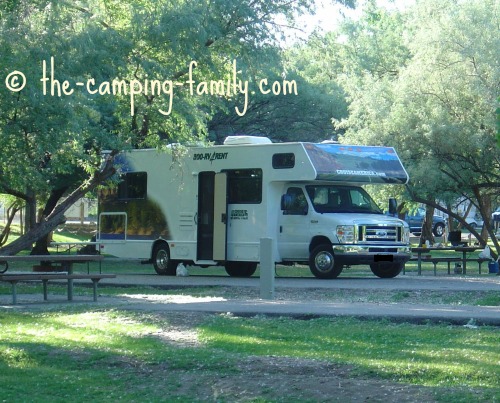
(14, 278)
(424, 255)
(65, 262)
(459, 249)
(65, 265)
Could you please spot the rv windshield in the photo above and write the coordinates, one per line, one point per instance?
(341, 199)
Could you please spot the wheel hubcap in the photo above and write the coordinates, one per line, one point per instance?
(162, 259)
(324, 261)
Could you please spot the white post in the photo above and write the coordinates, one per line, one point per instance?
(266, 269)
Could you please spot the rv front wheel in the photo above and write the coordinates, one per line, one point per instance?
(322, 263)
(240, 269)
(162, 263)
(386, 270)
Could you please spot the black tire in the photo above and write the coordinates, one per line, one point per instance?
(162, 263)
(438, 229)
(322, 263)
(386, 270)
(4, 266)
(240, 269)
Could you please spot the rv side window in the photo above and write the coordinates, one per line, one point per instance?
(283, 160)
(244, 186)
(113, 226)
(134, 185)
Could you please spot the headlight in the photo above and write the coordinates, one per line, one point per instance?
(406, 234)
(346, 233)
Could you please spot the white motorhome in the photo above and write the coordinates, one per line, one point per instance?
(212, 205)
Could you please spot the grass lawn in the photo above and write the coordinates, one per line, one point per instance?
(84, 353)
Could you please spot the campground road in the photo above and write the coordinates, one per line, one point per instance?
(296, 297)
(299, 303)
(402, 282)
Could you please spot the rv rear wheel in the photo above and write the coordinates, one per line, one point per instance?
(240, 269)
(162, 263)
(322, 263)
(386, 270)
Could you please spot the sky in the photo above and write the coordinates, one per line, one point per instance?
(329, 15)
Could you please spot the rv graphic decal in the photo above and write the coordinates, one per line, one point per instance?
(239, 214)
(359, 173)
(210, 156)
(360, 164)
(140, 219)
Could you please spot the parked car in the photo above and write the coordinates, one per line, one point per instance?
(476, 221)
(416, 220)
(496, 215)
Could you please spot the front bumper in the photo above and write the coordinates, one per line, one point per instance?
(367, 254)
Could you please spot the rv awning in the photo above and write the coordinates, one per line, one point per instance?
(359, 164)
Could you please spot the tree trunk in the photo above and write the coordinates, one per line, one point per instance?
(42, 244)
(30, 210)
(486, 210)
(56, 216)
(484, 202)
(466, 214)
(11, 213)
(427, 234)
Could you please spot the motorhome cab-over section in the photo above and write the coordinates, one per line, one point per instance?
(211, 206)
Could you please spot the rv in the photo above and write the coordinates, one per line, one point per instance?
(209, 206)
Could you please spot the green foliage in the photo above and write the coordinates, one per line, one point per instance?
(426, 82)
(59, 137)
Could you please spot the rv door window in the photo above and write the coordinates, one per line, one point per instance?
(244, 186)
(134, 185)
(296, 203)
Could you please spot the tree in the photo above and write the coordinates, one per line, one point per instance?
(59, 137)
(302, 111)
(425, 81)
(51, 142)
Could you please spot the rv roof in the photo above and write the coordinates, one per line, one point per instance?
(241, 140)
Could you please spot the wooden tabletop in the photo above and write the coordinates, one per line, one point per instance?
(52, 258)
(454, 248)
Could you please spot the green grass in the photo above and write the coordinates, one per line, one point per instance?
(89, 356)
(439, 356)
(98, 354)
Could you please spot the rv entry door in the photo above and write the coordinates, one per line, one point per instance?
(294, 225)
(212, 216)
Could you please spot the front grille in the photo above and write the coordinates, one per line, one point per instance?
(380, 233)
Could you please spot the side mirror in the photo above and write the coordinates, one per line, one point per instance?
(286, 202)
(393, 206)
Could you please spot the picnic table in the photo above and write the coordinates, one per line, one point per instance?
(69, 246)
(461, 250)
(65, 263)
